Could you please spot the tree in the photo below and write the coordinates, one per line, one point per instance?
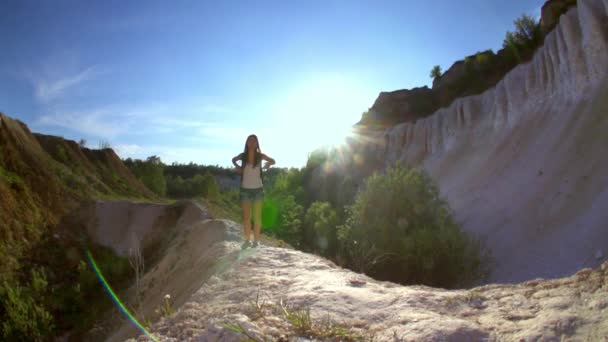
(527, 33)
(149, 172)
(399, 229)
(103, 144)
(436, 72)
(290, 221)
(320, 224)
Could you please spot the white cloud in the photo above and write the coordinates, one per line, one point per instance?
(46, 89)
(96, 123)
(127, 150)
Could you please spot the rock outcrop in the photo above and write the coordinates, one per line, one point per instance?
(279, 294)
(523, 164)
(551, 11)
(469, 76)
(403, 105)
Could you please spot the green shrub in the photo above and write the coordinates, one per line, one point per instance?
(320, 224)
(61, 154)
(435, 72)
(524, 40)
(150, 172)
(11, 178)
(399, 229)
(24, 317)
(283, 217)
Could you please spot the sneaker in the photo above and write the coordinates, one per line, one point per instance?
(246, 244)
(256, 243)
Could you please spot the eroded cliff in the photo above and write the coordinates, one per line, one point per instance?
(523, 164)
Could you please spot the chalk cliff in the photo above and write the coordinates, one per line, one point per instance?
(524, 163)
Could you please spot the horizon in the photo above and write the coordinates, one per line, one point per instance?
(189, 82)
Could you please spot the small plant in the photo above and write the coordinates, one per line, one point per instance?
(258, 306)
(239, 329)
(136, 260)
(300, 320)
(61, 154)
(166, 309)
(24, 313)
(10, 177)
(436, 72)
(303, 323)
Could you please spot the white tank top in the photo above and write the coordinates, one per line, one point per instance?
(251, 177)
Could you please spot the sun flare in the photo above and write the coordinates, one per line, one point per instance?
(322, 111)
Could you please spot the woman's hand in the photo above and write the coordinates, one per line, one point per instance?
(269, 162)
(239, 170)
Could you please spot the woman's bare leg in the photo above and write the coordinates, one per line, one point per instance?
(257, 219)
(247, 218)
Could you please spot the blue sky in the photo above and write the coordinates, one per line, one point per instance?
(189, 80)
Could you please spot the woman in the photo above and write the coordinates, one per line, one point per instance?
(252, 190)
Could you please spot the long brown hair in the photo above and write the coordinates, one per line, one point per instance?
(258, 152)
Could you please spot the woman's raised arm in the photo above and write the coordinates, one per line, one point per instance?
(235, 159)
(269, 161)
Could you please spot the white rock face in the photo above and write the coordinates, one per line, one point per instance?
(524, 164)
(248, 296)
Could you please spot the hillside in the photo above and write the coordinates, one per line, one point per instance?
(523, 164)
(42, 180)
(44, 177)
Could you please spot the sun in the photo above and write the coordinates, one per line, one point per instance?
(323, 110)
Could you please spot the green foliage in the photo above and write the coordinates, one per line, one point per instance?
(525, 39)
(327, 330)
(283, 210)
(290, 182)
(11, 178)
(408, 233)
(203, 185)
(60, 292)
(526, 28)
(436, 72)
(149, 172)
(290, 220)
(347, 192)
(482, 59)
(191, 169)
(23, 314)
(61, 154)
(320, 224)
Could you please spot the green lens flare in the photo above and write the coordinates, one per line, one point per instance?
(117, 300)
(270, 213)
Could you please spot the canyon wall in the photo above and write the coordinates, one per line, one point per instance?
(524, 164)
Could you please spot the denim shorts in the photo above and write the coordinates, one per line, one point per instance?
(250, 195)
